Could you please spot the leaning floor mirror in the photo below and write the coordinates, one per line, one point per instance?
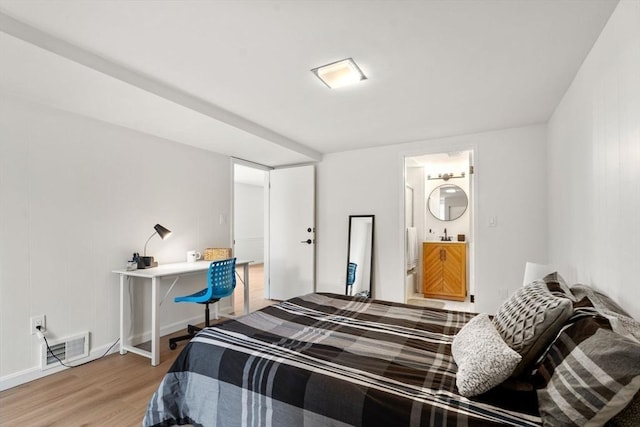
(360, 255)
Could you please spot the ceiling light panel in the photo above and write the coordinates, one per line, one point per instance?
(339, 74)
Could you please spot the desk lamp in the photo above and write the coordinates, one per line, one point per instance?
(148, 261)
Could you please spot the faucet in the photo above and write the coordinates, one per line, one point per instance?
(445, 238)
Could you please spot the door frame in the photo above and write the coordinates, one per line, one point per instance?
(267, 198)
(236, 161)
(472, 241)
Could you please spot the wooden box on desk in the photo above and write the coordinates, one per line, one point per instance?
(214, 254)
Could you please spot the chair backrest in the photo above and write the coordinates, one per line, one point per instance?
(222, 277)
(351, 273)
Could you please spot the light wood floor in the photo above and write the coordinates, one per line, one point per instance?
(111, 391)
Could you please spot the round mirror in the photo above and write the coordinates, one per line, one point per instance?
(447, 202)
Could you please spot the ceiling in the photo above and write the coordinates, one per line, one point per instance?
(234, 76)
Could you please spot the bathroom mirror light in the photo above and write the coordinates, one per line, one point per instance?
(446, 176)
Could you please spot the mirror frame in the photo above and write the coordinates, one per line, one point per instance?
(365, 292)
(442, 185)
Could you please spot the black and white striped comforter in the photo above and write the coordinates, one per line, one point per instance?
(326, 360)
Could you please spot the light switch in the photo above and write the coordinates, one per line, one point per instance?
(493, 221)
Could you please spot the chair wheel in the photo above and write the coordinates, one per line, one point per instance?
(173, 345)
(191, 330)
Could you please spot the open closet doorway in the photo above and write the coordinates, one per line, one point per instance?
(250, 230)
(439, 224)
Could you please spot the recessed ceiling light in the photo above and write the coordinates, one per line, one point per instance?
(340, 73)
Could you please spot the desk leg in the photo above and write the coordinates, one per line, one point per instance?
(122, 322)
(155, 324)
(246, 288)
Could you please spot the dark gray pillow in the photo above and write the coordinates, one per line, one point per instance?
(599, 300)
(530, 320)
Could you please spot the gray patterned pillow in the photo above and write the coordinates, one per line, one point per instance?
(484, 360)
(628, 328)
(529, 321)
(589, 375)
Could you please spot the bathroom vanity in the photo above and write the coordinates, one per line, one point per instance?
(444, 270)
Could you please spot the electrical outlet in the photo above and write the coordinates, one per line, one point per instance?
(38, 321)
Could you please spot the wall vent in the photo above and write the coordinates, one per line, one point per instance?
(66, 349)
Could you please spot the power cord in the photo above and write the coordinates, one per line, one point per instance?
(49, 351)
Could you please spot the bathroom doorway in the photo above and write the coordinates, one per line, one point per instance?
(439, 215)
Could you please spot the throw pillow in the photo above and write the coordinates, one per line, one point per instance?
(530, 320)
(589, 375)
(599, 300)
(556, 284)
(629, 416)
(484, 360)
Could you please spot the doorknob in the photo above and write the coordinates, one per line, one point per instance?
(308, 241)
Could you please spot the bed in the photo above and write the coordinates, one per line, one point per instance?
(330, 360)
(551, 355)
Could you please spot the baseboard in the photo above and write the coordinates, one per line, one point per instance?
(175, 327)
(31, 374)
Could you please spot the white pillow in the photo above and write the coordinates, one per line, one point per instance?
(484, 360)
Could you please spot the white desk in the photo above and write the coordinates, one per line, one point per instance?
(155, 274)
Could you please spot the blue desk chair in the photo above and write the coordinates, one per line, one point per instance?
(351, 276)
(221, 281)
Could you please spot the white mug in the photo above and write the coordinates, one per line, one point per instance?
(193, 256)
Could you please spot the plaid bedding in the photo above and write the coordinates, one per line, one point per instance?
(326, 360)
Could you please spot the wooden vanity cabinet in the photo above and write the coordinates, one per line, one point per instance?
(444, 270)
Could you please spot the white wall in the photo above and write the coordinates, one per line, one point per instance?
(249, 222)
(511, 183)
(594, 165)
(77, 197)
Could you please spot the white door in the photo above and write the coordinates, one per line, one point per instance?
(291, 232)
